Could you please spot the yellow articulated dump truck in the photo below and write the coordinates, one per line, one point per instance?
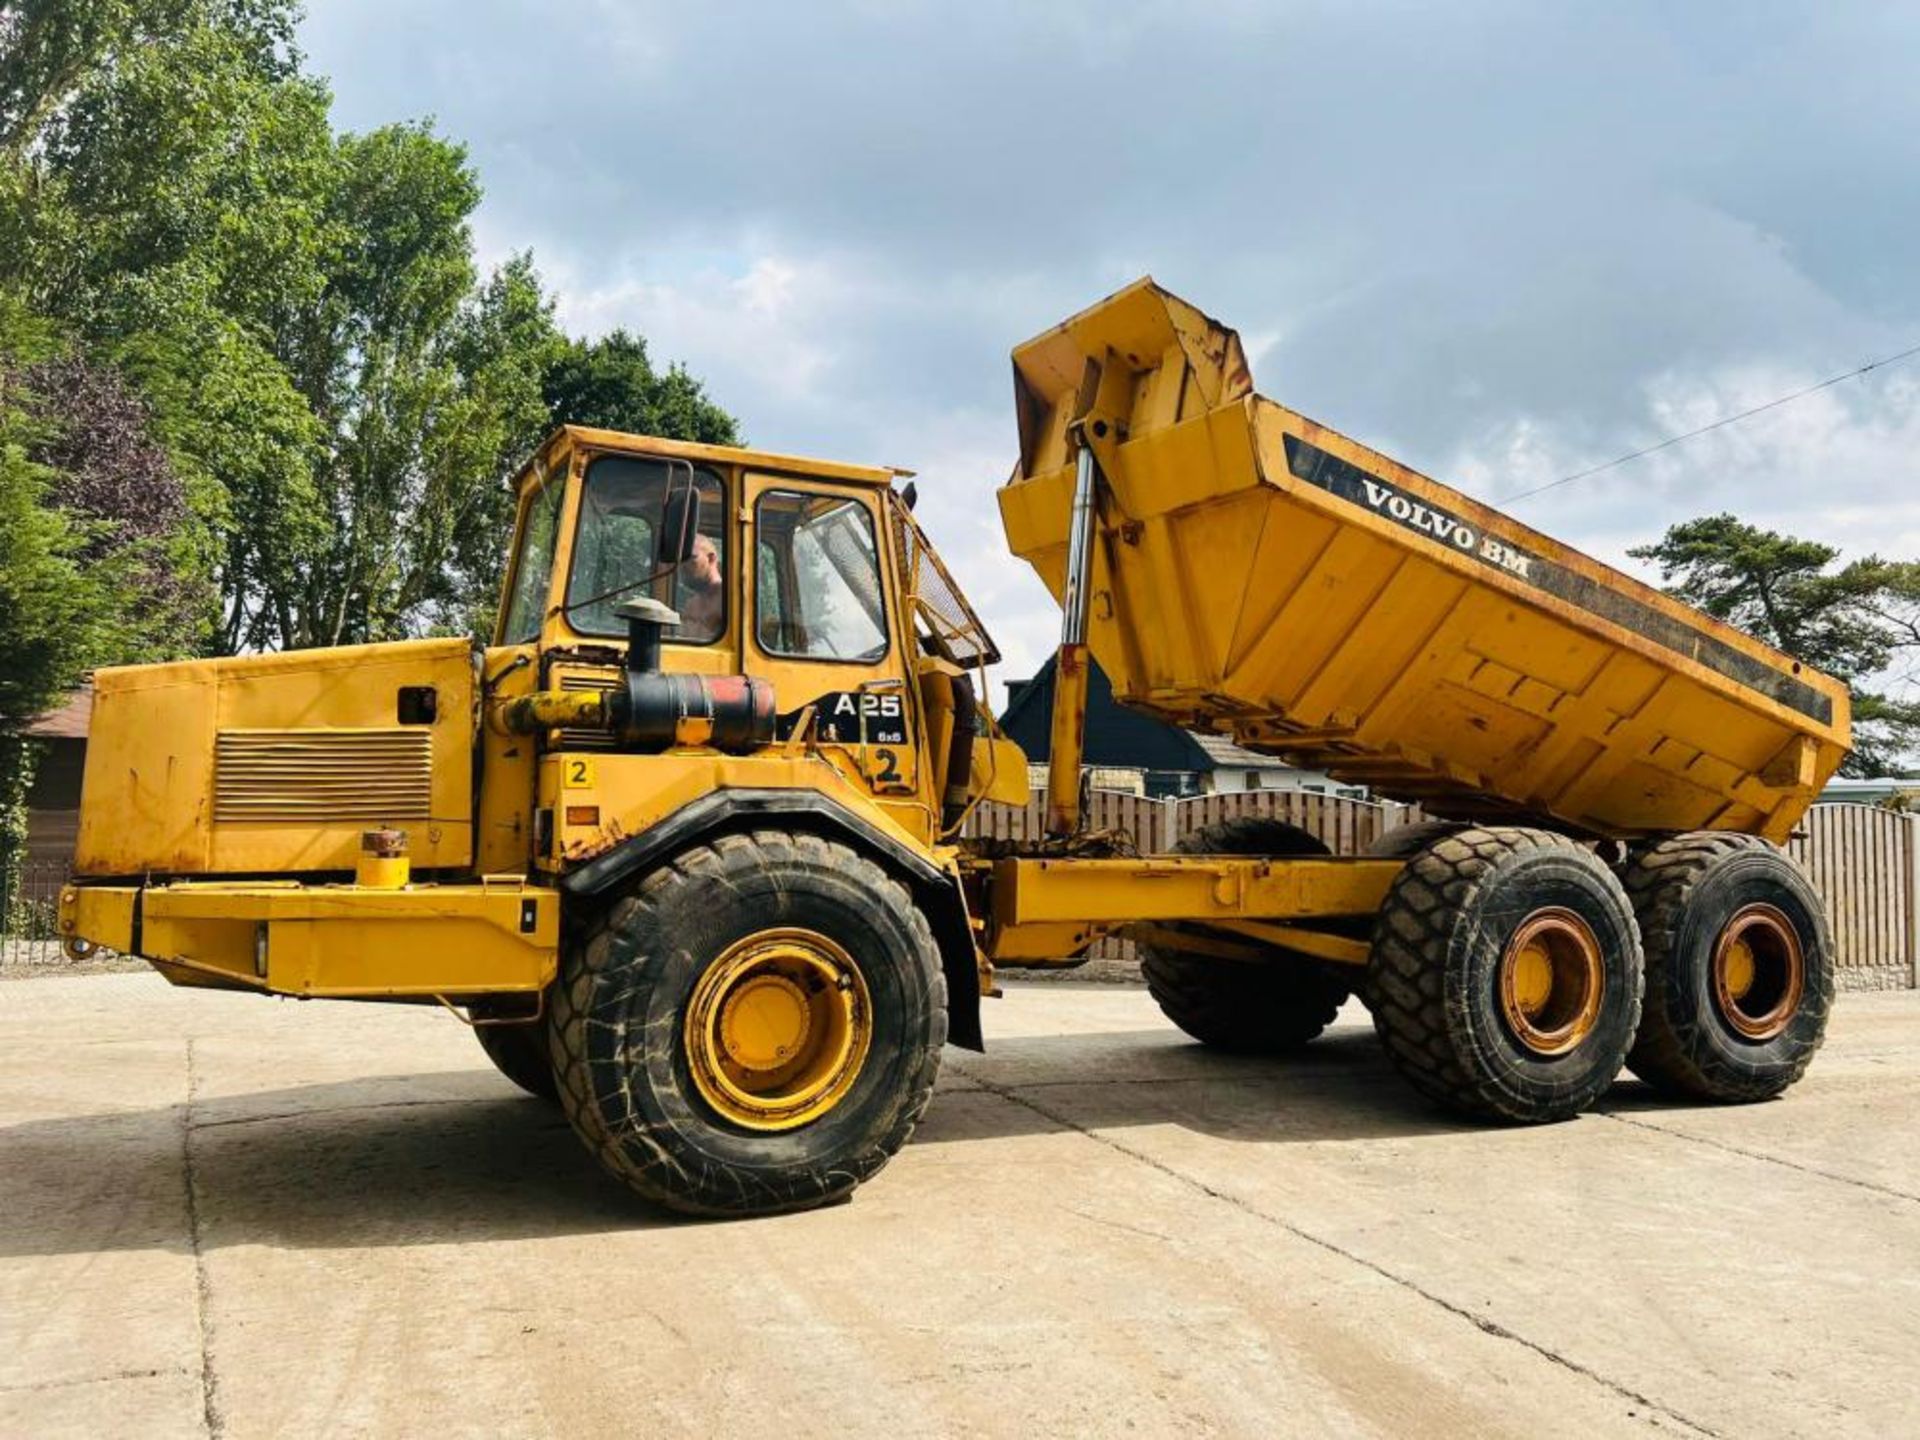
(686, 842)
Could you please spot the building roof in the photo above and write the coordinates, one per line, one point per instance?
(69, 722)
(1115, 736)
(1223, 754)
(1118, 736)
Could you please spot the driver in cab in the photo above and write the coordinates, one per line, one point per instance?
(699, 595)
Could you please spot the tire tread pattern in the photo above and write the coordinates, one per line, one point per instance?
(653, 1166)
(1661, 880)
(519, 1052)
(1244, 1007)
(1407, 969)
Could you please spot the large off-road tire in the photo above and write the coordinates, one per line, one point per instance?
(754, 1029)
(519, 1052)
(1247, 1007)
(1506, 974)
(1406, 840)
(1739, 967)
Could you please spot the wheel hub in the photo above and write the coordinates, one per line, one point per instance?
(1759, 972)
(777, 1029)
(1552, 979)
(764, 1022)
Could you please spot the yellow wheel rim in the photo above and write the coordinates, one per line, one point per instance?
(1552, 980)
(1759, 972)
(777, 1029)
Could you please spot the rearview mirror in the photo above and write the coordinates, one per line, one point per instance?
(679, 514)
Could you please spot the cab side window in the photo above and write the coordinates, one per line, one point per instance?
(817, 587)
(614, 553)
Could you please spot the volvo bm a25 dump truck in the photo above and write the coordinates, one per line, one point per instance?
(687, 842)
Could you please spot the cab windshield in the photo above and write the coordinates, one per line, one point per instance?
(533, 566)
(616, 551)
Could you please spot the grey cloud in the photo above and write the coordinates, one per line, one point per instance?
(1451, 224)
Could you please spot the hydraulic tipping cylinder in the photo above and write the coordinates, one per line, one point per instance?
(1070, 666)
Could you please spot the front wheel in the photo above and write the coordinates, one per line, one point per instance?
(755, 1029)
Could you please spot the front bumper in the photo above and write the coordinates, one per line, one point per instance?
(490, 938)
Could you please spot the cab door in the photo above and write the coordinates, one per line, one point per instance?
(823, 623)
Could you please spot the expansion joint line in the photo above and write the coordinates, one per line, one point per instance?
(209, 1390)
(1760, 1156)
(1479, 1322)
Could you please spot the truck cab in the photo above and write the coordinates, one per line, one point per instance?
(796, 574)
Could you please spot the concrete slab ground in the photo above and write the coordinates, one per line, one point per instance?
(231, 1216)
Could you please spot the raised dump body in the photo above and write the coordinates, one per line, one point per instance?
(1257, 574)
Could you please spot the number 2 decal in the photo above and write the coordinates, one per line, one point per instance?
(577, 774)
(889, 771)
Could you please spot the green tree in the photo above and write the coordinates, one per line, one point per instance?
(166, 198)
(425, 381)
(56, 614)
(1859, 623)
(611, 383)
(340, 391)
(246, 444)
(95, 547)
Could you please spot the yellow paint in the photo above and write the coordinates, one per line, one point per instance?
(570, 442)
(1739, 969)
(503, 832)
(1189, 888)
(638, 791)
(999, 774)
(1231, 594)
(1225, 591)
(265, 764)
(1340, 949)
(1041, 946)
(1532, 978)
(382, 872)
(99, 914)
(1066, 746)
(335, 940)
(777, 1029)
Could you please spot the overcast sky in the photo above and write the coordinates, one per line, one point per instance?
(1501, 242)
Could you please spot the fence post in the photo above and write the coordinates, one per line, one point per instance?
(1913, 901)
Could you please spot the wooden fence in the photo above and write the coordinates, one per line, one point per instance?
(1347, 826)
(1865, 862)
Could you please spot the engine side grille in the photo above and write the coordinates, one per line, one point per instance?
(323, 776)
(576, 739)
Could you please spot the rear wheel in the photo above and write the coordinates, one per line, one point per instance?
(1405, 840)
(1506, 974)
(519, 1052)
(756, 1029)
(1247, 1006)
(1739, 967)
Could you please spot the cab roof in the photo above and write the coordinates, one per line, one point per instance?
(619, 442)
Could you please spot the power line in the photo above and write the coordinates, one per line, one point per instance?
(1724, 420)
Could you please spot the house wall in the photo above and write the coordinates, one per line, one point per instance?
(1237, 780)
(53, 804)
